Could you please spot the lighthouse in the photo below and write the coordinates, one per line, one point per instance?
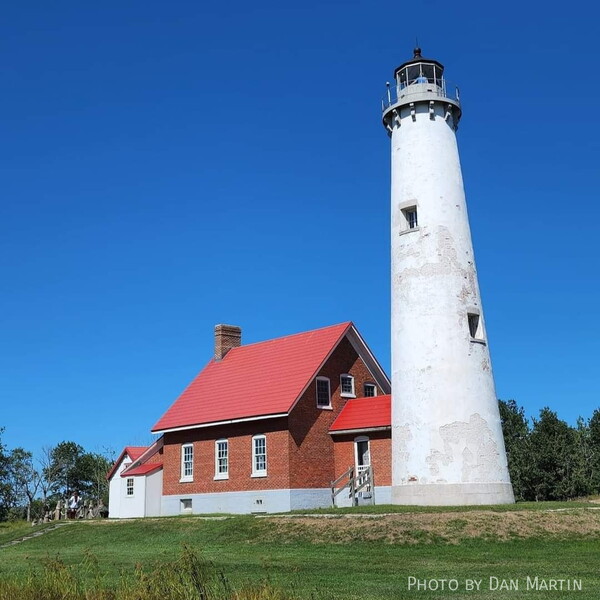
(447, 443)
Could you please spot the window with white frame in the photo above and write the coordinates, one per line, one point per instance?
(187, 462)
(129, 486)
(221, 459)
(370, 390)
(259, 456)
(347, 386)
(323, 392)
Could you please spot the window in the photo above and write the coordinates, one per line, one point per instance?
(221, 459)
(323, 392)
(370, 390)
(129, 486)
(475, 328)
(186, 505)
(187, 462)
(259, 456)
(410, 214)
(347, 386)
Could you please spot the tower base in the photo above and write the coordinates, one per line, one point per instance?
(453, 494)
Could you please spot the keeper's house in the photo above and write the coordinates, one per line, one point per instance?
(265, 427)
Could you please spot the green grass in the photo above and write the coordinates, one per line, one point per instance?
(333, 558)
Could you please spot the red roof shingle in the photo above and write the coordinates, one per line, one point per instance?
(256, 380)
(364, 413)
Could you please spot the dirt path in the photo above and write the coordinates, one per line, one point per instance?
(34, 534)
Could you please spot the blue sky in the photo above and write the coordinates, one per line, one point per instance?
(169, 166)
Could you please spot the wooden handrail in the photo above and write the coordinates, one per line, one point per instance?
(354, 482)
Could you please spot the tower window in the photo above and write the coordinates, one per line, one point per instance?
(475, 329)
(410, 214)
(370, 390)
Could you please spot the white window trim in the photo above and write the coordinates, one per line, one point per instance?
(186, 478)
(365, 384)
(255, 472)
(217, 474)
(127, 495)
(324, 406)
(347, 394)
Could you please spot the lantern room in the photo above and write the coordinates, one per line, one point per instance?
(419, 70)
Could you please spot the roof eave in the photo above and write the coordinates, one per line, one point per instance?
(361, 430)
(215, 423)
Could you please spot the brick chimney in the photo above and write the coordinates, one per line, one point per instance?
(226, 338)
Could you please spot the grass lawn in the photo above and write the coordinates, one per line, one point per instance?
(346, 557)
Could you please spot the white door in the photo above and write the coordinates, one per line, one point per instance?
(362, 455)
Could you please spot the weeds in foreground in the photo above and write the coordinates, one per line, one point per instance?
(187, 578)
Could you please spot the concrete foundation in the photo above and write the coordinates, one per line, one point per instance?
(246, 502)
(453, 494)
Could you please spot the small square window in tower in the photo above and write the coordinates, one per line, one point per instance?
(410, 214)
(475, 329)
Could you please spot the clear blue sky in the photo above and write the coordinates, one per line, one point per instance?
(166, 166)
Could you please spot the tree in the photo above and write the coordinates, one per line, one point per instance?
(67, 470)
(582, 475)
(24, 478)
(594, 441)
(102, 465)
(68, 467)
(554, 458)
(515, 428)
(5, 488)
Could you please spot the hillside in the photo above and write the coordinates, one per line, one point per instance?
(355, 554)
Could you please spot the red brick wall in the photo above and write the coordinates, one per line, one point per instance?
(240, 458)
(300, 451)
(311, 454)
(380, 446)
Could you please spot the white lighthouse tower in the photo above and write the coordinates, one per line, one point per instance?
(447, 444)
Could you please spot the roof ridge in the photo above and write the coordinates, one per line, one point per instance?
(283, 337)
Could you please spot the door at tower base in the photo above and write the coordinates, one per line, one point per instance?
(447, 442)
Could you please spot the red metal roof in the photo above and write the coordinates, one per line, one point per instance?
(255, 380)
(133, 452)
(144, 469)
(364, 413)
